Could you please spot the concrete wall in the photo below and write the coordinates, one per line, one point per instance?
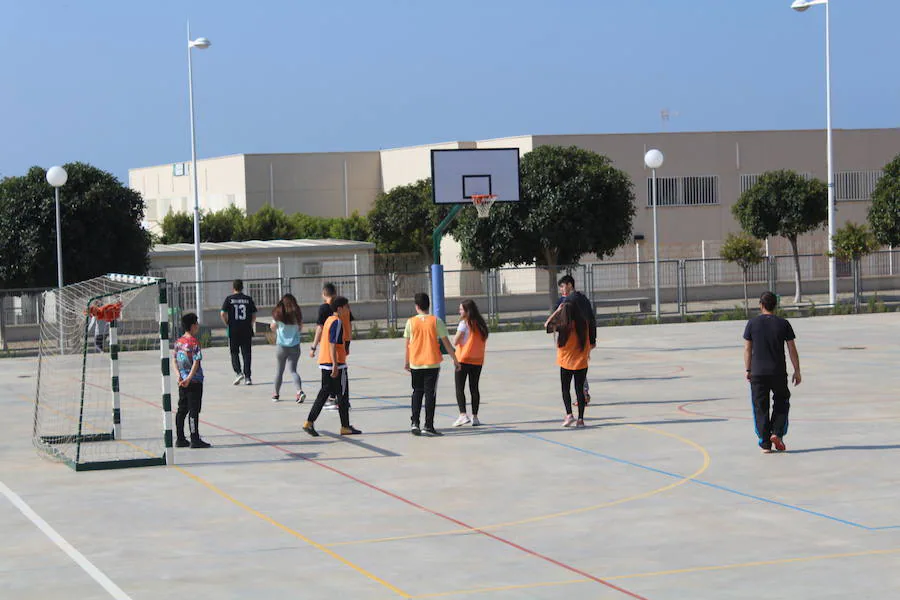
(402, 166)
(221, 184)
(313, 184)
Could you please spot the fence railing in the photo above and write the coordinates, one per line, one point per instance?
(685, 285)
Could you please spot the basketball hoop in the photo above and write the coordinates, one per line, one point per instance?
(483, 204)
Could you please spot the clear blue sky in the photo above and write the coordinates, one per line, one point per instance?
(105, 81)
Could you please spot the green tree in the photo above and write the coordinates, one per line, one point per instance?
(745, 251)
(177, 228)
(783, 203)
(226, 225)
(101, 227)
(851, 243)
(884, 213)
(270, 224)
(355, 227)
(404, 219)
(573, 202)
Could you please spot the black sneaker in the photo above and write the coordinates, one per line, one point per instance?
(350, 430)
(182, 443)
(432, 431)
(414, 429)
(309, 428)
(198, 443)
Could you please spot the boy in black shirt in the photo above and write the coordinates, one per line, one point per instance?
(239, 315)
(764, 339)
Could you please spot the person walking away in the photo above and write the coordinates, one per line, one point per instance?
(333, 365)
(765, 337)
(424, 332)
(329, 292)
(187, 356)
(568, 293)
(471, 337)
(239, 315)
(287, 323)
(573, 350)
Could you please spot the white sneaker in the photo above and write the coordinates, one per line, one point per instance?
(330, 405)
(475, 421)
(301, 397)
(238, 378)
(248, 381)
(462, 420)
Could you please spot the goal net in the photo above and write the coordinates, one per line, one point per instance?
(104, 355)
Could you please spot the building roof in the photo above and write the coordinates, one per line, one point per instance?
(259, 246)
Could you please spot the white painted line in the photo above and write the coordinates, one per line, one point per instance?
(89, 568)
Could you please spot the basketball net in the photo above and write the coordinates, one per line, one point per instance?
(483, 204)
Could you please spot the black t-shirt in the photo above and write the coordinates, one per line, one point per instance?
(587, 310)
(768, 333)
(240, 309)
(324, 312)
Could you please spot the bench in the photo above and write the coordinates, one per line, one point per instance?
(643, 304)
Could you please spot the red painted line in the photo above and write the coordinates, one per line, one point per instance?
(409, 502)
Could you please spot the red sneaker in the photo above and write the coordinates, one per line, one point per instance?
(778, 443)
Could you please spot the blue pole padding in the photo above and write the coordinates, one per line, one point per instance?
(437, 292)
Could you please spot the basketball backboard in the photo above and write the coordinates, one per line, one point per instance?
(457, 175)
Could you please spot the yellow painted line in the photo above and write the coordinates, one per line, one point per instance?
(566, 513)
(761, 563)
(293, 532)
(212, 487)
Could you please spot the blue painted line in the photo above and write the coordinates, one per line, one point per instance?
(667, 473)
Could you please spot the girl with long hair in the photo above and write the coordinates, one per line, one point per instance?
(470, 340)
(573, 350)
(287, 323)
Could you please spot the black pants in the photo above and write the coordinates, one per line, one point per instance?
(190, 401)
(761, 386)
(339, 387)
(240, 344)
(565, 377)
(473, 372)
(424, 384)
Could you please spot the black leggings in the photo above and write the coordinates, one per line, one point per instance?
(473, 372)
(190, 401)
(565, 376)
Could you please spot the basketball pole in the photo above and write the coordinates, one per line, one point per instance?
(437, 270)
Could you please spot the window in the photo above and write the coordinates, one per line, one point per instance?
(855, 185)
(684, 191)
(748, 180)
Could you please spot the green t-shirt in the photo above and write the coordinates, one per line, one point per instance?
(441, 333)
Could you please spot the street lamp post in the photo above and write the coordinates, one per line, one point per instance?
(800, 6)
(653, 159)
(202, 43)
(57, 177)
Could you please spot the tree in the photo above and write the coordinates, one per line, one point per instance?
(884, 213)
(851, 243)
(745, 251)
(226, 225)
(573, 202)
(177, 228)
(783, 203)
(101, 227)
(404, 219)
(269, 223)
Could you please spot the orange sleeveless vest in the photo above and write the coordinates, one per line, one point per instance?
(325, 344)
(471, 351)
(423, 344)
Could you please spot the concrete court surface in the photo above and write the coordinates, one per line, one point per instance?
(663, 496)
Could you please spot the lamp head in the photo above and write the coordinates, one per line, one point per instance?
(57, 176)
(654, 159)
(201, 43)
(802, 5)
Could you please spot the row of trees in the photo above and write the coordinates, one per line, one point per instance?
(786, 204)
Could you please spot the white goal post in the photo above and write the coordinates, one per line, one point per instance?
(104, 352)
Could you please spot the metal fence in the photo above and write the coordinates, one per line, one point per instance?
(686, 285)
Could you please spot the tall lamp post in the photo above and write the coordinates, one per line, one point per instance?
(201, 43)
(57, 177)
(653, 159)
(800, 6)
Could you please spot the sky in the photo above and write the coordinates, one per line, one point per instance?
(105, 81)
